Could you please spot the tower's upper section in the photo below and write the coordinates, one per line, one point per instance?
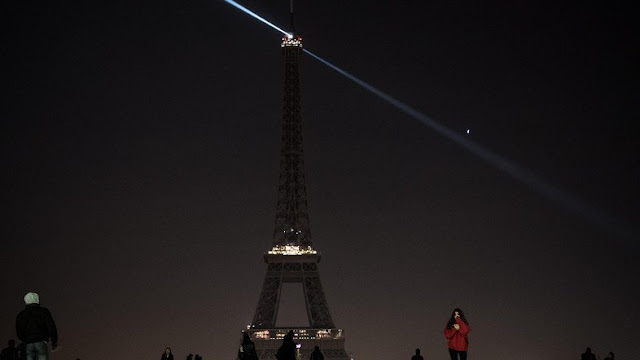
(291, 41)
(292, 231)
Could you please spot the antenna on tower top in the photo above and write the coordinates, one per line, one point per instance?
(292, 28)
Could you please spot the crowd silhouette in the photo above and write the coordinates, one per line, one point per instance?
(168, 355)
(247, 351)
(36, 329)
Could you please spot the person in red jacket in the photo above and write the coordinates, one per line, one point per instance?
(456, 332)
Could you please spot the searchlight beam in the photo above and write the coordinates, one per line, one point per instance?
(557, 196)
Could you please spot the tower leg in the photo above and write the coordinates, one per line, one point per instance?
(267, 310)
(317, 308)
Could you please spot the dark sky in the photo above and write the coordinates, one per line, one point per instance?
(140, 142)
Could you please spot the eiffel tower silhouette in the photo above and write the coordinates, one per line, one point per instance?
(292, 259)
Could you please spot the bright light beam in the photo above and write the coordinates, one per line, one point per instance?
(597, 217)
(256, 16)
(561, 198)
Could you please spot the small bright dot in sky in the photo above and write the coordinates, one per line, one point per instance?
(468, 131)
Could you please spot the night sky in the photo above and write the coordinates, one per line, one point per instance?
(140, 147)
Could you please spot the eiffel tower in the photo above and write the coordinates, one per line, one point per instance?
(292, 259)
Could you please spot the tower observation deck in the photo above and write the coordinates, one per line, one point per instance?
(292, 258)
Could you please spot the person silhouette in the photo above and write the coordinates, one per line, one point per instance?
(316, 354)
(35, 327)
(167, 355)
(190, 357)
(588, 355)
(287, 351)
(10, 352)
(247, 349)
(417, 356)
(456, 332)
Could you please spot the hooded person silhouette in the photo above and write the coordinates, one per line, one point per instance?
(247, 349)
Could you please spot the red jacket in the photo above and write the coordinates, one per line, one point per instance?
(457, 339)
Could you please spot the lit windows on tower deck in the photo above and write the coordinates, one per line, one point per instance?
(298, 334)
(291, 250)
(291, 40)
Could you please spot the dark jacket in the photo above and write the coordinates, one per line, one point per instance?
(35, 324)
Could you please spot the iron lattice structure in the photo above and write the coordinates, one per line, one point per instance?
(292, 258)
(292, 213)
